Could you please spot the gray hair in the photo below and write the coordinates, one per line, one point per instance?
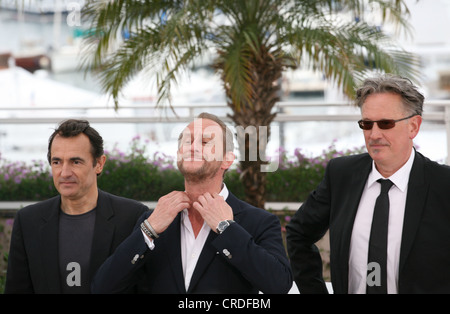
(412, 98)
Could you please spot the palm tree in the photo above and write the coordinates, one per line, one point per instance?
(253, 42)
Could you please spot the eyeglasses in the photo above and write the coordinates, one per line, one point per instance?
(384, 124)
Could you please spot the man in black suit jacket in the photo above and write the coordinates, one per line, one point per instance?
(58, 244)
(201, 240)
(418, 254)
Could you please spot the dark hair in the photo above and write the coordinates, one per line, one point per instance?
(389, 83)
(72, 128)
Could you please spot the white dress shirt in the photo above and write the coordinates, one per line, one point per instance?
(359, 244)
(191, 246)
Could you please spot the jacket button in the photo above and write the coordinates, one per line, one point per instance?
(227, 253)
(135, 258)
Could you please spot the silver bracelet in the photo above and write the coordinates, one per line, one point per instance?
(146, 231)
(149, 227)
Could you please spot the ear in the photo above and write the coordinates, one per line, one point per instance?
(414, 126)
(228, 160)
(100, 164)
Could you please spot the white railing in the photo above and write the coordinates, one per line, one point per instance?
(430, 115)
(14, 206)
(435, 110)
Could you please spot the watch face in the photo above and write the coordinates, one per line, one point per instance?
(222, 225)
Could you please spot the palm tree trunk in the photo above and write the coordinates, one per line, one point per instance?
(256, 117)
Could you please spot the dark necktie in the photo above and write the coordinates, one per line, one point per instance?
(379, 240)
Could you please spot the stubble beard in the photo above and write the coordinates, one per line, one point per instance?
(205, 172)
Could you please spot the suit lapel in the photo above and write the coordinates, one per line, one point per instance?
(205, 258)
(415, 203)
(356, 185)
(49, 236)
(172, 241)
(103, 233)
(209, 251)
(353, 191)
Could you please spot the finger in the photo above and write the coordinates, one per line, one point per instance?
(178, 207)
(173, 202)
(198, 207)
(202, 200)
(180, 202)
(207, 196)
(169, 198)
(178, 198)
(178, 195)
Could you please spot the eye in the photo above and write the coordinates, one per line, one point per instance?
(77, 161)
(55, 162)
(386, 124)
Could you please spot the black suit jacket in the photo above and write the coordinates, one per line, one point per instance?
(425, 245)
(257, 260)
(33, 263)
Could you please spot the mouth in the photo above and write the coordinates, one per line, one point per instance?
(67, 183)
(378, 145)
(192, 157)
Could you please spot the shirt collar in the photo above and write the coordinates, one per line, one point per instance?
(399, 178)
(224, 193)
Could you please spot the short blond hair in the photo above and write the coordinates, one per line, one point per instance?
(228, 143)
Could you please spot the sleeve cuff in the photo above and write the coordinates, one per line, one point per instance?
(148, 241)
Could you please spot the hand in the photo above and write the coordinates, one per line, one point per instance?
(213, 209)
(167, 209)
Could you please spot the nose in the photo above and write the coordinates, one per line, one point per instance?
(375, 132)
(197, 144)
(66, 170)
(192, 147)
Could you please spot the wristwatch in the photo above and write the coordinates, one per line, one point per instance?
(223, 225)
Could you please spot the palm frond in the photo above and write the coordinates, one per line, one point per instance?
(347, 51)
(167, 36)
(164, 37)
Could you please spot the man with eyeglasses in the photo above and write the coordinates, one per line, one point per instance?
(388, 210)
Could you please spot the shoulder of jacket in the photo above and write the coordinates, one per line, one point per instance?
(350, 160)
(120, 200)
(434, 168)
(241, 207)
(45, 204)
